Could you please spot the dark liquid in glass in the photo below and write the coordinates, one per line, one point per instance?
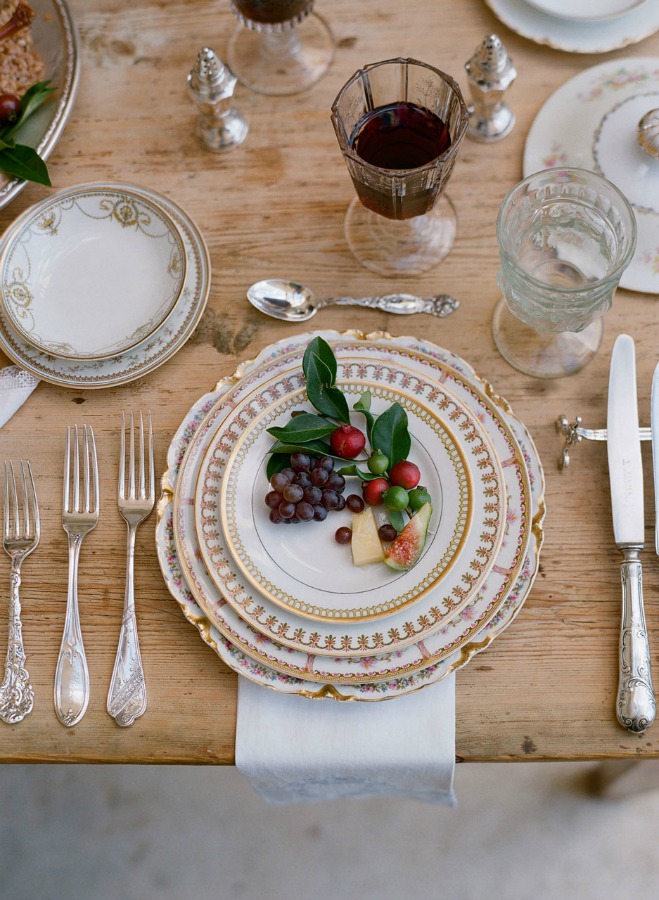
(399, 136)
(271, 12)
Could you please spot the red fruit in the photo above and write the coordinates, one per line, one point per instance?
(373, 490)
(405, 474)
(10, 107)
(347, 441)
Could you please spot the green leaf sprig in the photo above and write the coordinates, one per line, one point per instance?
(19, 160)
(307, 432)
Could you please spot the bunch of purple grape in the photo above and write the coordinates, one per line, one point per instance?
(306, 490)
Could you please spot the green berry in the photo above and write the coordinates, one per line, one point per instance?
(418, 497)
(396, 498)
(377, 463)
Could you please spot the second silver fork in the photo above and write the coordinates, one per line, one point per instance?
(127, 694)
(80, 508)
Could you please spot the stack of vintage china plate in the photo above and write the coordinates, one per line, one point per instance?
(586, 26)
(100, 284)
(285, 606)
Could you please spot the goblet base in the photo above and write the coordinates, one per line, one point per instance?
(543, 354)
(401, 246)
(282, 62)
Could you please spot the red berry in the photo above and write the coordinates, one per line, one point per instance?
(347, 441)
(10, 107)
(373, 490)
(405, 474)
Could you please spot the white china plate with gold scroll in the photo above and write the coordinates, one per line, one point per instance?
(301, 574)
(599, 36)
(55, 37)
(90, 272)
(151, 352)
(590, 122)
(262, 658)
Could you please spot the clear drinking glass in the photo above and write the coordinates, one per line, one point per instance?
(399, 124)
(280, 46)
(565, 238)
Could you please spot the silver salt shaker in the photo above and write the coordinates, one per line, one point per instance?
(211, 84)
(491, 72)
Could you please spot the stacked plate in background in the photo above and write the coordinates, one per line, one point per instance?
(585, 26)
(100, 284)
(285, 606)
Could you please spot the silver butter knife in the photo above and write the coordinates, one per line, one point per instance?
(654, 430)
(635, 704)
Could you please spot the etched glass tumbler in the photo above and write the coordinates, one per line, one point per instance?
(280, 46)
(565, 238)
(399, 124)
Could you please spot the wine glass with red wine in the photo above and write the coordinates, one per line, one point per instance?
(399, 124)
(280, 46)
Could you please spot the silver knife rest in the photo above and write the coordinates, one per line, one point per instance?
(574, 433)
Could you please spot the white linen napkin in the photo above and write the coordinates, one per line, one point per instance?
(16, 385)
(294, 749)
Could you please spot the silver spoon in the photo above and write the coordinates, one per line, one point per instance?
(295, 303)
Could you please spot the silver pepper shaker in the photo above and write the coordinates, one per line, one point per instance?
(211, 84)
(491, 72)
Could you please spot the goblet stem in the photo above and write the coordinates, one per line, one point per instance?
(543, 354)
(281, 62)
(401, 246)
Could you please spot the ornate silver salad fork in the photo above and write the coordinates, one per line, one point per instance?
(127, 694)
(21, 536)
(80, 510)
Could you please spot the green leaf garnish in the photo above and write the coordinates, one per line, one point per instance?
(303, 428)
(19, 160)
(390, 434)
(397, 519)
(319, 367)
(24, 162)
(363, 405)
(354, 470)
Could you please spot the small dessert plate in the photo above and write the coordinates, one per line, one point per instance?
(91, 272)
(586, 10)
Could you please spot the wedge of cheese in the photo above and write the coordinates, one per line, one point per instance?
(366, 546)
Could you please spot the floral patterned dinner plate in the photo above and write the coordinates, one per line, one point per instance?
(386, 675)
(90, 272)
(590, 122)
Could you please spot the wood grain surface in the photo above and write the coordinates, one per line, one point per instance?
(274, 207)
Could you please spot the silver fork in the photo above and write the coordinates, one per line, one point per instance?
(127, 694)
(80, 508)
(21, 536)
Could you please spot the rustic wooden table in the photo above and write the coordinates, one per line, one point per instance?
(545, 689)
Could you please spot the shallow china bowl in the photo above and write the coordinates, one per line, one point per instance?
(91, 271)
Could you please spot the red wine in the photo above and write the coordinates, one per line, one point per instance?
(271, 12)
(400, 136)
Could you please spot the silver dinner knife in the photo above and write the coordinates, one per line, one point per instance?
(654, 429)
(635, 703)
